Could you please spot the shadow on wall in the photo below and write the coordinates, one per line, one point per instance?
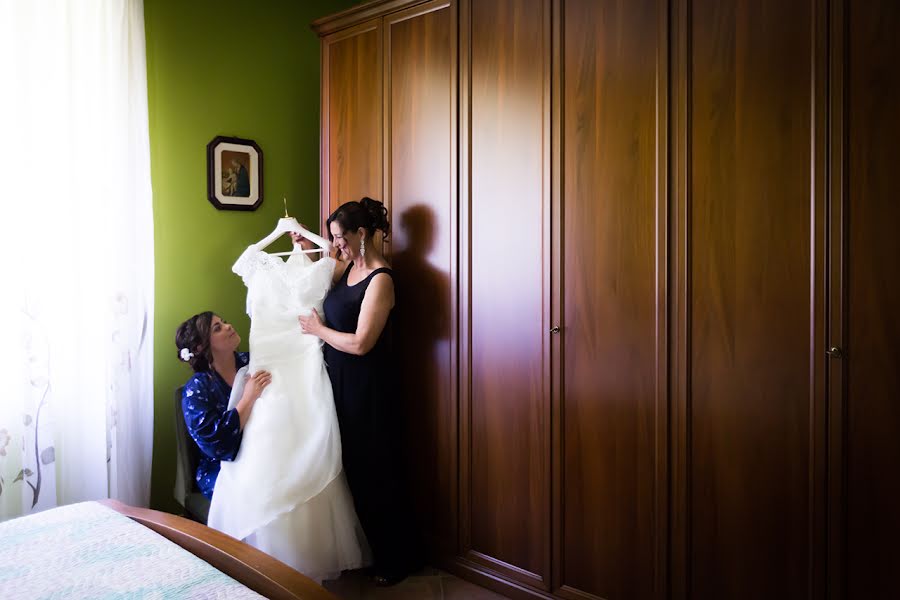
(422, 347)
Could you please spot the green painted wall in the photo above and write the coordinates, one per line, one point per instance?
(222, 67)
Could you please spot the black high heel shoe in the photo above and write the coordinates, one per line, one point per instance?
(389, 579)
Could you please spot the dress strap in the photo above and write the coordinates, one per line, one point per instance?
(368, 278)
(346, 273)
(364, 284)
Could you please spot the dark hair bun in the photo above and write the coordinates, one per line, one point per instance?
(192, 341)
(377, 215)
(369, 214)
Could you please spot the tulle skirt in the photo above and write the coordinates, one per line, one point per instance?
(320, 538)
(285, 493)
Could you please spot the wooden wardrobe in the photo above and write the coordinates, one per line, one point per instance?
(646, 257)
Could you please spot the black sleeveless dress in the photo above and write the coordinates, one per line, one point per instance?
(365, 399)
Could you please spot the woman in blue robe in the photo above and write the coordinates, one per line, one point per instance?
(209, 344)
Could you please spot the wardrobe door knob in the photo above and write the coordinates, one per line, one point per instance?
(555, 329)
(835, 352)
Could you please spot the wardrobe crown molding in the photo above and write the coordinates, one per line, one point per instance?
(362, 12)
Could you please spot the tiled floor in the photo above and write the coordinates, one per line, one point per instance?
(428, 584)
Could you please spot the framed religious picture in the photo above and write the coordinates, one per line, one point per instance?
(234, 169)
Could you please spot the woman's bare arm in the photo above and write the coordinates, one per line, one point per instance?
(373, 315)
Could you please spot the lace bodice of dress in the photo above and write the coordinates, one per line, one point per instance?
(281, 289)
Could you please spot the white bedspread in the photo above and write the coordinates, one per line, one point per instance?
(87, 550)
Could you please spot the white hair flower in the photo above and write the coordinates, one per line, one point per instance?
(186, 354)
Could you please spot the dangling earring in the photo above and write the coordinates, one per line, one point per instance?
(362, 247)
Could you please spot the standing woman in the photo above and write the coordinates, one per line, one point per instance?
(357, 336)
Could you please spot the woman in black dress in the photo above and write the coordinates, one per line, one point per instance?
(357, 335)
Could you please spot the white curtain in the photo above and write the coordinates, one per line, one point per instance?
(76, 255)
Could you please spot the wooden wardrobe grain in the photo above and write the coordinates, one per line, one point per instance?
(751, 420)
(420, 170)
(507, 473)
(870, 363)
(351, 105)
(626, 236)
(612, 249)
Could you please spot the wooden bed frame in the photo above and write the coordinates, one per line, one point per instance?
(253, 568)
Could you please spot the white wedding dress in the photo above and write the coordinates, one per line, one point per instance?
(285, 493)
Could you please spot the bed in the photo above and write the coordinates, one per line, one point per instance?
(108, 549)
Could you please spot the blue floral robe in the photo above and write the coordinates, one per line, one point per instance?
(216, 430)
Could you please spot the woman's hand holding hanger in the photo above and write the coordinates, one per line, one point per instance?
(300, 240)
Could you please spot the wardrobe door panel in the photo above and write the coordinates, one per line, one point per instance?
(609, 520)
(351, 152)
(872, 404)
(751, 418)
(420, 76)
(507, 472)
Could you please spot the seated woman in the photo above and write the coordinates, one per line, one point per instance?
(209, 344)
